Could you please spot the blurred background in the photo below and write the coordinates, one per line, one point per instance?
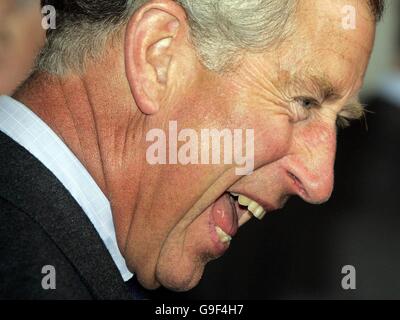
(299, 252)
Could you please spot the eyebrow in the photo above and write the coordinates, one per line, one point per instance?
(320, 85)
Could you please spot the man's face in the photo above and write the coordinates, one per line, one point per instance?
(292, 98)
(21, 37)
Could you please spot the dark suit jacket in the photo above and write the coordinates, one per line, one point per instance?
(41, 224)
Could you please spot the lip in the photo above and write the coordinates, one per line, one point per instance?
(219, 247)
(224, 215)
(228, 222)
(231, 227)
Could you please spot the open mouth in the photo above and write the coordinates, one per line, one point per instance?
(232, 211)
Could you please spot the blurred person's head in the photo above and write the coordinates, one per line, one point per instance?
(114, 70)
(21, 36)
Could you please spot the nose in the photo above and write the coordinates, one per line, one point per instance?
(311, 166)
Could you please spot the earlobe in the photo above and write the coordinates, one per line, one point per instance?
(149, 37)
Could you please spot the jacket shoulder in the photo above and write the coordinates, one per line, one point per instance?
(31, 265)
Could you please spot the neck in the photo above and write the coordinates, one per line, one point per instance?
(94, 118)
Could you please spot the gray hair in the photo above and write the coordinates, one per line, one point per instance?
(219, 29)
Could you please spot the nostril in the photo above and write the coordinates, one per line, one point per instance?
(298, 184)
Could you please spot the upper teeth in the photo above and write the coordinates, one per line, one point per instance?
(257, 210)
(222, 235)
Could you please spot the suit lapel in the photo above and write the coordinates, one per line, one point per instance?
(31, 187)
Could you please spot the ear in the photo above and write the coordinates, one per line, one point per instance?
(153, 36)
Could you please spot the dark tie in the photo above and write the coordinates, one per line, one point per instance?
(136, 290)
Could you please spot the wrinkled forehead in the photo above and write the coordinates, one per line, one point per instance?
(334, 24)
(330, 46)
(335, 9)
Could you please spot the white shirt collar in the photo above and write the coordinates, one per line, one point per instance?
(27, 129)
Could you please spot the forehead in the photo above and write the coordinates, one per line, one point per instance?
(328, 20)
(322, 51)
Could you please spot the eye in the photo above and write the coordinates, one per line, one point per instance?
(307, 102)
(302, 106)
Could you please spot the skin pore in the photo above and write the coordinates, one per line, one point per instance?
(291, 96)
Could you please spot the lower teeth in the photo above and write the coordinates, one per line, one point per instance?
(223, 237)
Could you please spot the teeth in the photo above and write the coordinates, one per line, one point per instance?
(223, 237)
(245, 218)
(244, 201)
(257, 210)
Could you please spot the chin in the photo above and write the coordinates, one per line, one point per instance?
(180, 279)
